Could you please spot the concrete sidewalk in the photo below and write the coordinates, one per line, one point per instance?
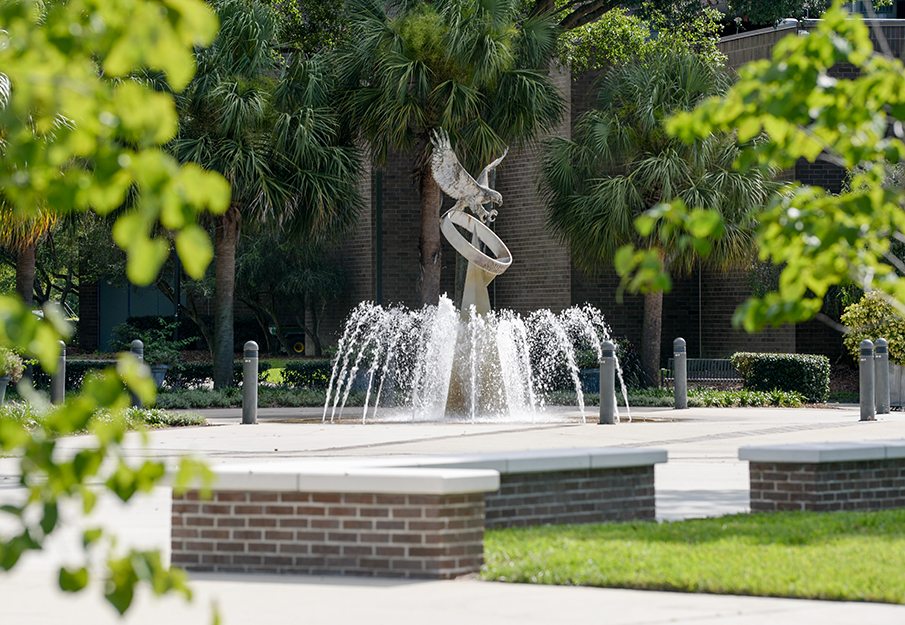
(702, 478)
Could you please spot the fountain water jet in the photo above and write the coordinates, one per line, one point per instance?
(434, 364)
(473, 364)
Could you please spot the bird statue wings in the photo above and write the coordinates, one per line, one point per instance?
(458, 183)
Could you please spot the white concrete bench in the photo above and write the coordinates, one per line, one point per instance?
(400, 516)
(825, 477)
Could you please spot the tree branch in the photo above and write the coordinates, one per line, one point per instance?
(587, 13)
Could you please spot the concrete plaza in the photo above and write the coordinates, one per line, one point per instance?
(702, 478)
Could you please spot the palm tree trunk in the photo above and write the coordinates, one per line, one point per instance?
(25, 272)
(429, 243)
(651, 328)
(225, 239)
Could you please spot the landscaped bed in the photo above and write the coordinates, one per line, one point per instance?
(850, 556)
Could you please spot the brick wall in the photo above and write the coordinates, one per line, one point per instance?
(746, 47)
(700, 312)
(572, 497)
(435, 536)
(356, 256)
(539, 275)
(829, 486)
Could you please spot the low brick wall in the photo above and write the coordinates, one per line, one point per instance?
(572, 497)
(827, 477)
(400, 517)
(828, 487)
(437, 536)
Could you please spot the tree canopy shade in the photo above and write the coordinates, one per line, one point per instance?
(77, 133)
(621, 163)
(264, 122)
(469, 67)
(799, 111)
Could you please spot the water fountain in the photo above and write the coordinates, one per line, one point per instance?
(475, 364)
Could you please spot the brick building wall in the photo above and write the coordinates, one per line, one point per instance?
(539, 275)
(356, 256)
(699, 309)
(746, 47)
(722, 293)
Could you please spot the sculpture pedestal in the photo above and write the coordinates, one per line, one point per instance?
(482, 269)
(477, 387)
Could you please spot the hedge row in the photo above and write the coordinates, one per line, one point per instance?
(307, 373)
(805, 373)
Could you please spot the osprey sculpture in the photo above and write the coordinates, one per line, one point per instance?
(458, 183)
(487, 255)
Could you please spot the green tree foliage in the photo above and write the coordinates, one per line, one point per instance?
(795, 109)
(76, 134)
(621, 34)
(873, 317)
(310, 26)
(621, 163)
(266, 124)
(468, 67)
(682, 21)
(276, 276)
(86, 138)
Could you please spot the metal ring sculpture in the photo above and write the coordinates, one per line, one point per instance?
(493, 266)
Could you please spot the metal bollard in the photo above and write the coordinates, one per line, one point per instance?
(138, 350)
(881, 375)
(679, 354)
(608, 384)
(58, 379)
(866, 371)
(250, 383)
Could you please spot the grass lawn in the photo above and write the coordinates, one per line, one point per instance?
(851, 556)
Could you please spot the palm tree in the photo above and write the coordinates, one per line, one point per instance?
(263, 121)
(409, 67)
(21, 235)
(622, 162)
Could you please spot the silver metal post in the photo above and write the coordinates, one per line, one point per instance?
(58, 379)
(250, 383)
(679, 353)
(866, 371)
(608, 384)
(881, 373)
(138, 350)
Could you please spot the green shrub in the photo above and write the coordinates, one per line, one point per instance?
(873, 318)
(744, 397)
(803, 373)
(30, 416)
(76, 370)
(307, 373)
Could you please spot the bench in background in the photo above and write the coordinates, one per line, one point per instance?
(825, 477)
(702, 370)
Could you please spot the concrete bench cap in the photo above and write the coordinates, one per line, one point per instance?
(812, 453)
(423, 474)
(545, 460)
(305, 476)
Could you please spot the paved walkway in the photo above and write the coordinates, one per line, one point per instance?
(702, 478)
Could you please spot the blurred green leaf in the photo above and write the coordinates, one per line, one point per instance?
(73, 580)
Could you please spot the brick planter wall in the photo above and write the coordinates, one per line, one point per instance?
(433, 536)
(828, 486)
(572, 497)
